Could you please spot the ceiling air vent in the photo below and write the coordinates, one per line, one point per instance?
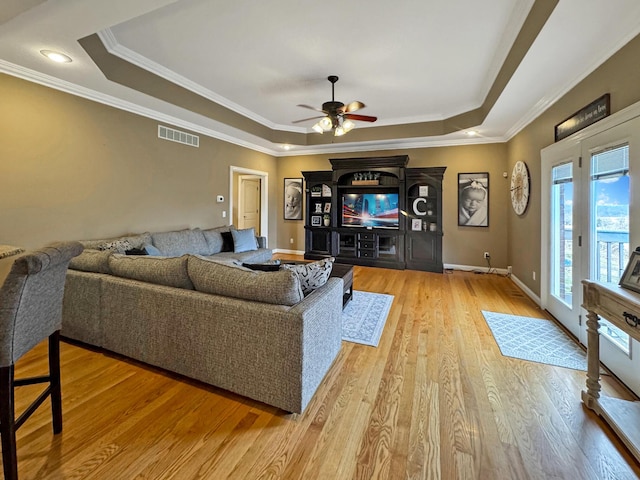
(178, 136)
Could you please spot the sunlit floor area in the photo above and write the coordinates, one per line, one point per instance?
(436, 399)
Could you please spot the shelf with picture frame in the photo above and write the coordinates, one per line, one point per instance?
(319, 211)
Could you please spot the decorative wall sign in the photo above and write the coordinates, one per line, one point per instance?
(416, 224)
(423, 190)
(596, 110)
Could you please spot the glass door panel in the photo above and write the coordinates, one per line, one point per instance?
(562, 233)
(609, 199)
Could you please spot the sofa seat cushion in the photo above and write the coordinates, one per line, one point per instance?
(252, 256)
(179, 242)
(210, 276)
(89, 260)
(170, 271)
(312, 275)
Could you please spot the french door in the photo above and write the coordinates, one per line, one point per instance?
(587, 230)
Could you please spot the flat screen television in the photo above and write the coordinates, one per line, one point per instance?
(378, 210)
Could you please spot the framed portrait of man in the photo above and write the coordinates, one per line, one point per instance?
(293, 198)
(473, 199)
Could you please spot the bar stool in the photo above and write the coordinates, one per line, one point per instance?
(30, 311)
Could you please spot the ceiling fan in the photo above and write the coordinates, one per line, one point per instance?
(338, 116)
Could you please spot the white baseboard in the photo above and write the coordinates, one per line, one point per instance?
(292, 252)
(471, 268)
(527, 290)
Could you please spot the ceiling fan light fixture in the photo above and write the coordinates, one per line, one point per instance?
(348, 125)
(339, 131)
(326, 124)
(318, 128)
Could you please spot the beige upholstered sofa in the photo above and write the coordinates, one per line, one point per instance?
(252, 333)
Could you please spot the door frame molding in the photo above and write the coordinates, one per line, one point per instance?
(264, 196)
(570, 144)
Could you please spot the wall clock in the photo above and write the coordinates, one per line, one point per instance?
(520, 187)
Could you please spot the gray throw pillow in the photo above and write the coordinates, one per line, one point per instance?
(312, 275)
(244, 240)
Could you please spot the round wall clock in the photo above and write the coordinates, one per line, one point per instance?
(520, 187)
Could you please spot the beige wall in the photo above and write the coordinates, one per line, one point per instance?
(72, 168)
(75, 169)
(461, 245)
(619, 76)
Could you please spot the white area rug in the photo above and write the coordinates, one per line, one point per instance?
(364, 317)
(535, 340)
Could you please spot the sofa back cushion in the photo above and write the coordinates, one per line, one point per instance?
(179, 242)
(170, 271)
(92, 261)
(280, 288)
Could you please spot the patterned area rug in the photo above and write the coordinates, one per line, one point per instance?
(536, 340)
(364, 317)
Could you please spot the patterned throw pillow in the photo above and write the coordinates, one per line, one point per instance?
(312, 275)
(120, 246)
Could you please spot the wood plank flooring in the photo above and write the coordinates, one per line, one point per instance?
(435, 400)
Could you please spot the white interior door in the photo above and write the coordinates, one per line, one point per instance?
(249, 203)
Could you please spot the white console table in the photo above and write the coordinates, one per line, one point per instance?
(621, 307)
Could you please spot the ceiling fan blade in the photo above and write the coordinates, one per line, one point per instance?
(353, 106)
(306, 119)
(362, 118)
(312, 108)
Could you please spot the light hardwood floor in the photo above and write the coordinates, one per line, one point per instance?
(436, 399)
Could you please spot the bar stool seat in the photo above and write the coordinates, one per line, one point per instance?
(31, 311)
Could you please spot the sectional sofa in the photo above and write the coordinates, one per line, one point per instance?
(192, 310)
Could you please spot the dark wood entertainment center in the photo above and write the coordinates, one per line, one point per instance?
(375, 212)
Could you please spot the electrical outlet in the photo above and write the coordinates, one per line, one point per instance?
(486, 255)
(291, 241)
(534, 275)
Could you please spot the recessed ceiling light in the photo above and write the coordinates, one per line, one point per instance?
(286, 147)
(56, 56)
(472, 133)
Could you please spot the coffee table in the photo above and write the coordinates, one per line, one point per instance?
(345, 272)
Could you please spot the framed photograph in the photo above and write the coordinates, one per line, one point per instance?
(316, 220)
(318, 208)
(327, 208)
(293, 198)
(416, 224)
(473, 199)
(631, 277)
(423, 190)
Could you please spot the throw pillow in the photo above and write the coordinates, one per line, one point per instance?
(272, 266)
(227, 242)
(312, 275)
(244, 240)
(151, 250)
(119, 246)
(136, 251)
